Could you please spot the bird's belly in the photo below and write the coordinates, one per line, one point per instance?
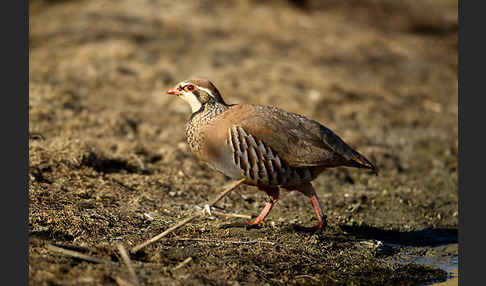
(225, 165)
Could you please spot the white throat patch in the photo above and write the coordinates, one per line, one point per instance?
(192, 100)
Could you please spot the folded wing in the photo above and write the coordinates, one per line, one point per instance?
(298, 140)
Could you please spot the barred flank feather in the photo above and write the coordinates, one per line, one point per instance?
(260, 164)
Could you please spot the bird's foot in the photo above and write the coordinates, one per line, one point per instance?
(253, 224)
(316, 228)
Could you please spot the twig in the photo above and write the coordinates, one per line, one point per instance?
(122, 282)
(166, 232)
(230, 214)
(334, 280)
(315, 279)
(126, 259)
(76, 254)
(224, 241)
(226, 191)
(308, 277)
(187, 220)
(183, 263)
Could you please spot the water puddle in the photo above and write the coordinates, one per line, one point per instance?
(434, 247)
(443, 257)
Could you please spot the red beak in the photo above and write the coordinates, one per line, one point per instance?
(174, 91)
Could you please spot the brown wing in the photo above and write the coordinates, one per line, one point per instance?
(298, 140)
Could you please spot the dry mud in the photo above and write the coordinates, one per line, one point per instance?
(109, 163)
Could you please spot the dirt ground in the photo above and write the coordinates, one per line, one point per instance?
(109, 163)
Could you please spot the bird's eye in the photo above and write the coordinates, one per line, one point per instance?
(189, 87)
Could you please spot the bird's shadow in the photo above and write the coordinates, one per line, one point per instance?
(427, 237)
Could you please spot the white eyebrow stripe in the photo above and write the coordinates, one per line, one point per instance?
(206, 90)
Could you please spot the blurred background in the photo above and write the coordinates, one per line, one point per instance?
(107, 144)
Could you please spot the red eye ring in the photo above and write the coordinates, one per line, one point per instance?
(189, 87)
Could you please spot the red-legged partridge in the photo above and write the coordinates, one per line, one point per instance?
(269, 147)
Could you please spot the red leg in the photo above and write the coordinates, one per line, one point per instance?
(309, 191)
(273, 194)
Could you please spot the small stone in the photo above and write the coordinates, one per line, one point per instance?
(148, 216)
(314, 95)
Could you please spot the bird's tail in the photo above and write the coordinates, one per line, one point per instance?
(360, 161)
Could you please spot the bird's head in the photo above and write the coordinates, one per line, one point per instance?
(197, 92)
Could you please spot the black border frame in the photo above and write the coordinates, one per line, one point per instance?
(15, 128)
(16, 122)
